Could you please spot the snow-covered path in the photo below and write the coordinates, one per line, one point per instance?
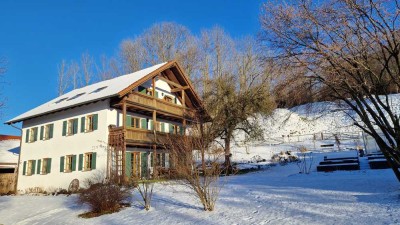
(278, 195)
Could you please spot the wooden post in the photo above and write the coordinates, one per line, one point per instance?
(153, 81)
(124, 144)
(183, 98)
(124, 114)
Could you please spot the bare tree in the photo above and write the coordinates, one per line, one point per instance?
(238, 96)
(3, 70)
(62, 82)
(160, 43)
(73, 74)
(87, 64)
(349, 47)
(201, 175)
(108, 68)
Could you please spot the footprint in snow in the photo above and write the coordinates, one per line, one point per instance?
(255, 212)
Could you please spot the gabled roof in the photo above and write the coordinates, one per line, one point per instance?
(116, 87)
(89, 94)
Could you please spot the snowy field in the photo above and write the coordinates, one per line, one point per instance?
(276, 195)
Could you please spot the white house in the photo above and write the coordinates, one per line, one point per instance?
(107, 127)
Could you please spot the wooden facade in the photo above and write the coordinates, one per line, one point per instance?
(131, 100)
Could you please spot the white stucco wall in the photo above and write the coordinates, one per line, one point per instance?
(80, 143)
(59, 145)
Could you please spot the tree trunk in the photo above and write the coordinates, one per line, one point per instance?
(228, 155)
(392, 163)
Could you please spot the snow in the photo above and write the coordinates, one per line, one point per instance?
(277, 195)
(9, 150)
(113, 86)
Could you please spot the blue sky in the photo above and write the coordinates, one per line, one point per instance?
(36, 35)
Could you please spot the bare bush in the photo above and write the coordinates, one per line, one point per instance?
(145, 188)
(203, 176)
(103, 196)
(305, 160)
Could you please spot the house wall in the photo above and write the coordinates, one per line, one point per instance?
(80, 143)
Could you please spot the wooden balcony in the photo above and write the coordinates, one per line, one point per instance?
(162, 106)
(141, 136)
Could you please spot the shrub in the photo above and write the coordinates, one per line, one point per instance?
(104, 197)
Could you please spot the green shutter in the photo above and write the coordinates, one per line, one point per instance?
(62, 163)
(93, 160)
(144, 163)
(36, 134)
(39, 165)
(142, 89)
(74, 163)
(181, 130)
(27, 136)
(95, 121)
(156, 94)
(75, 124)
(41, 133)
(171, 128)
(175, 100)
(48, 168)
(33, 167)
(24, 168)
(64, 130)
(82, 124)
(128, 164)
(128, 121)
(80, 162)
(163, 127)
(144, 124)
(51, 127)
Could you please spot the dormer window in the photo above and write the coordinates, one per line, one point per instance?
(76, 96)
(60, 100)
(99, 89)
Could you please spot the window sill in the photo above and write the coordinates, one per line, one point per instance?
(86, 170)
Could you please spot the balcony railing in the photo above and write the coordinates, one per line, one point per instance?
(160, 104)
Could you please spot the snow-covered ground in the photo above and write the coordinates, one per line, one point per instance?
(277, 195)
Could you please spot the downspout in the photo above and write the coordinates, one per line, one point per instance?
(19, 157)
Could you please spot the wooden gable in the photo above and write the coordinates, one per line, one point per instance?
(175, 77)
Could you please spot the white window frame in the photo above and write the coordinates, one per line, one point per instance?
(43, 170)
(70, 127)
(32, 134)
(68, 164)
(28, 171)
(89, 126)
(46, 132)
(87, 161)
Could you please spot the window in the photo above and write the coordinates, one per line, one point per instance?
(89, 161)
(44, 166)
(68, 163)
(89, 123)
(99, 89)
(29, 167)
(46, 132)
(70, 127)
(31, 134)
(60, 100)
(76, 96)
(149, 91)
(133, 122)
